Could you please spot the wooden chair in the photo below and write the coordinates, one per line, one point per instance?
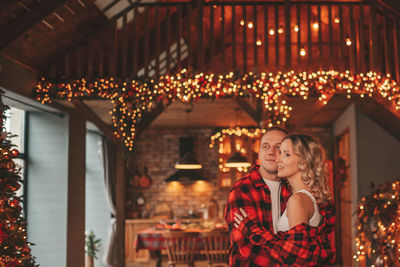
(180, 247)
(216, 246)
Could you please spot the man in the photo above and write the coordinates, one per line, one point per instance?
(263, 196)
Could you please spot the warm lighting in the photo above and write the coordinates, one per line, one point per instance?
(250, 25)
(237, 160)
(280, 30)
(296, 28)
(188, 162)
(303, 52)
(348, 41)
(242, 22)
(315, 25)
(271, 31)
(336, 20)
(258, 43)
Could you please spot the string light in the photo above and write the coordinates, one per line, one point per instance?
(336, 20)
(348, 41)
(302, 52)
(378, 225)
(280, 30)
(259, 42)
(296, 28)
(132, 99)
(315, 25)
(250, 25)
(271, 31)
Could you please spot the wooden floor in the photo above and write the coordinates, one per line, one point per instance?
(164, 264)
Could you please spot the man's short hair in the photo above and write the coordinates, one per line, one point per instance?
(276, 128)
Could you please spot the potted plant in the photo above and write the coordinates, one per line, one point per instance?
(91, 248)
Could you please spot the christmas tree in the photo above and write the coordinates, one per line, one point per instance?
(14, 247)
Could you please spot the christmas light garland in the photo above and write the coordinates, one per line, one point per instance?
(131, 99)
(378, 226)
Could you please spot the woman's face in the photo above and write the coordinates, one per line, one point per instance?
(287, 161)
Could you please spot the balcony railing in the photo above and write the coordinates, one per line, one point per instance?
(152, 39)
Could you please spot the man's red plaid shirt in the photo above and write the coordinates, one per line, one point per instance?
(254, 244)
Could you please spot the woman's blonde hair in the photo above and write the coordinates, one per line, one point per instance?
(312, 165)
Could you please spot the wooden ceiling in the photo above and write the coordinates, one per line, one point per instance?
(37, 34)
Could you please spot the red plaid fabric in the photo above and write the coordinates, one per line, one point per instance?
(253, 195)
(253, 244)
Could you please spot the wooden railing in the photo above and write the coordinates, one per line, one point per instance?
(262, 36)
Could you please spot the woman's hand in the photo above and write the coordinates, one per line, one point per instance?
(239, 217)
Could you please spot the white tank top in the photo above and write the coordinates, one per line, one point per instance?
(283, 222)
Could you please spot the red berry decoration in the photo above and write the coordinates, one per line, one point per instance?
(15, 153)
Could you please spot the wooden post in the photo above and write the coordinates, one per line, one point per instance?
(331, 61)
(223, 36)
(309, 40)
(168, 41)
(288, 41)
(158, 50)
(244, 8)
(255, 37)
(120, 206)
(373, 38)
(396, 49)
(341, 52)
(361, 50)
(298, 34)
(179, 54)
(124, 47)
(386, 43)
(276, 37)
(266, 33)
(135, 32)
(200, 41)
(234, 37)
(76, 191)
(146, 63)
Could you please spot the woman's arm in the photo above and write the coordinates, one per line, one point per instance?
(300, 209)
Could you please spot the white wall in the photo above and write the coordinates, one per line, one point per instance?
(47, 187)
(97, 212)
(378, 155)
(347, 121)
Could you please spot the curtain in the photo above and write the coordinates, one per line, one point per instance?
(109, 162)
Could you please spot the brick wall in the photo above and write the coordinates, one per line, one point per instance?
(158, 150)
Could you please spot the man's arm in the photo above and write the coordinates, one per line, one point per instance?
(241, 198)
(303, 245)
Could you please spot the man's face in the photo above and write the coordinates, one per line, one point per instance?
(269, 151)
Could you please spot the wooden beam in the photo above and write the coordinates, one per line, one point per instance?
(381, 112)
(76, 191)
(308, 116)
(255, 114)
(148, 118)
(21, 24)
(91, 116)
(120, 192)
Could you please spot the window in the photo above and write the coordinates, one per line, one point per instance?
(15, 124)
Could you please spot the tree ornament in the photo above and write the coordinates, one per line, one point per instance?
(15, 153)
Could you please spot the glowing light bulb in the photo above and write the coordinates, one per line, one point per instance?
(303, 52)
(296, 28)
(271, 31)
(258, 43)
(250, 25)
(315, 25)
(348, 41)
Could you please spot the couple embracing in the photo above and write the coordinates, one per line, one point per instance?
(280, 213)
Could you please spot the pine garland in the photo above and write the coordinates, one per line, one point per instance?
(378, 225)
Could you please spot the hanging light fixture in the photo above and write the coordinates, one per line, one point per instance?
(237, 160)
(187, 160)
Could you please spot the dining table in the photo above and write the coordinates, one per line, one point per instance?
(153, 240)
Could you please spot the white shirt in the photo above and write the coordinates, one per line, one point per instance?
(275, 188)
(283, 222)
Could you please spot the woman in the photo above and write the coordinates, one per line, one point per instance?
(302, 164)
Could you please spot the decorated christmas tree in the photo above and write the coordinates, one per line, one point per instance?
(14, 247)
